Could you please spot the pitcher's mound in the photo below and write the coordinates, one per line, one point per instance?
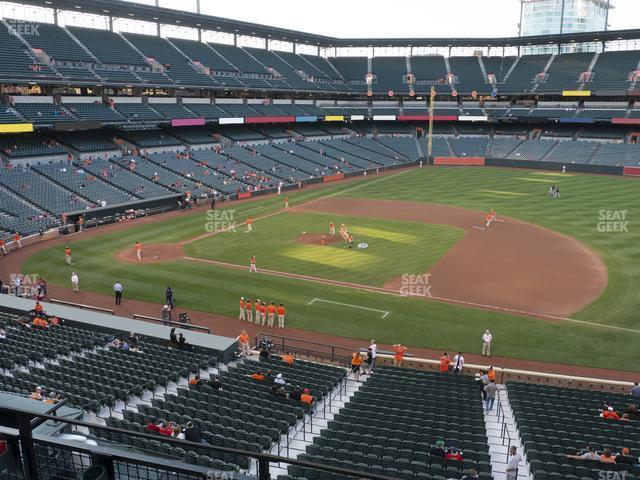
(318, 239)
(152, 253)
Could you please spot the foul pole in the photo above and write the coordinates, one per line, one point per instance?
(432, 97)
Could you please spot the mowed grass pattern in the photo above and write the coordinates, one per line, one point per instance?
(414, 322)
(393, 248)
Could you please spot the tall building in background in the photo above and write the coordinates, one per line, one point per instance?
(549, 17)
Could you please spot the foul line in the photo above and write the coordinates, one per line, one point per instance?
(397, 293)
(384, 312)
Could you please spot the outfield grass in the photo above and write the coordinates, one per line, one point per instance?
(517, 193)
(393, 248)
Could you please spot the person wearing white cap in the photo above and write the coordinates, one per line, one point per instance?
(280, 380)
(487, 338)
(241, 317)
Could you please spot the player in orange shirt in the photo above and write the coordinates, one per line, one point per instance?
(398, 355)
(489, 218)
(81, 223)
(286, 202)
(263, 313)
(271, 312)
(17, 239)
(280, 311)
(444, 363)
(252, 264)
(249, 223)
(67, 255)
(332, 229)
(256, 310)
(241, 316)
(3, 246)
(288, 358)
(138, 248)
(247, 310)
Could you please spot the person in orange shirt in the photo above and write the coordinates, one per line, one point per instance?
(271, 313)
(286, 202)
(247, 310)
(40, 322)
(3, 246)
(332, 229)
(258, 376)
(67, 255)
(252, 264)
(398, 355)
(241, 316)
(489, 219)
(38, 308)
(444, 363)
(81, 223)
(138, 248)
(356, 363)
(280, 311)
(17, 239)
(263, 314)
(256, 310)
(249, 223)
(491, 374)
(243, 343)
(288, 358)
(306, 397)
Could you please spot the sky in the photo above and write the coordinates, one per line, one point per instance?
(375, 18)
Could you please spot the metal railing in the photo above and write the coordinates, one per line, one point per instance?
(171, 323)
(308, 348)
(82, 306)
(32, 460)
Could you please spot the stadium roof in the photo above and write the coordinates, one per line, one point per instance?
(124, 9)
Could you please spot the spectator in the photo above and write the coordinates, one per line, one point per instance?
(607, 456)
(454, 454)
(486, 343)
(192, 434)
(374, 353)
(278, 390)
(152, 427)
(369, 361)
(165, 430)
(483, 380)
(215, 383)
(458, 363)
(625, 457)
(625, 417)
(491, 373)
(280, 380)
(306, 397)
(182, 342)
(610, 414)
(173, 338)
(258, 376)
(296, 393)
(473, 475)
(635, 391)
(512, 464)
(445, 362)
(38, 394)
(398, 356)
(178, 432)
(133, 340)
(194, 381)
(243, 343)
(587, 454)
(3, 334)
(264, 352)
(490, 390)
(632, 412)
(288, 358)
(438, 450)
(356, 363)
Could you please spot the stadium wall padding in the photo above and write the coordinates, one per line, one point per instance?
(571, 167)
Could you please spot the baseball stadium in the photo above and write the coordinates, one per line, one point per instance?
(231, 250)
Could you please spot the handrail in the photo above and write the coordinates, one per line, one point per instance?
(186, 326)
(82, 306)
(331, 352)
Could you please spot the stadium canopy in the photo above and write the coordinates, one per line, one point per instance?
(167, 16)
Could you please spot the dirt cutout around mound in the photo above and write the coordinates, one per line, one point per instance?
(318, 239)
(152, 253)
(512, 265)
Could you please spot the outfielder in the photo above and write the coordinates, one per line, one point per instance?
(249, 225)
(252, 265)
(67, 255)
(332, 229)
(138, 248)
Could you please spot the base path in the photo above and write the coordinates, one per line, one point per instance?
(512, 265)
(152, 253)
